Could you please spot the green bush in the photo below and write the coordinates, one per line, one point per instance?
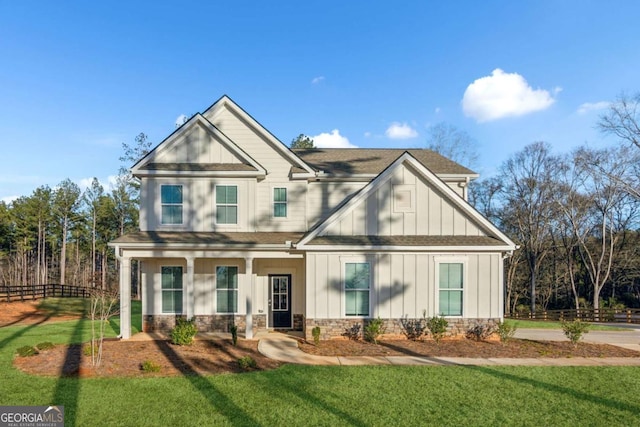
(234, 334)
(353, 332)
(414, 329)
(316, 335)
(506, 331)
(247, 363)
(373, 330)
(27, 351)
(149, 366)
(184, 331)
(437, 325)
(574, 330)
(480, 331)
(47, 345)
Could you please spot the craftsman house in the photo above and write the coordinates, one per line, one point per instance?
(236, 228)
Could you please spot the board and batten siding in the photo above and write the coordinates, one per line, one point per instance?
(403, 284)
(197, 146)
(198, 204)
(380, 213)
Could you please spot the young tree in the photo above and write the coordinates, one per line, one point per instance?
(92, 198)
(302, 141)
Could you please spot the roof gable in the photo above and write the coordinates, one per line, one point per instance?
(227, 104)
(197, 147)
(359, 202)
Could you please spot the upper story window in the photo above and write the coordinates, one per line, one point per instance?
(280, 202)
(171, 200)
(226, 204)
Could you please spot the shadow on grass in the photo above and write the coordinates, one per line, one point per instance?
(225, 406)
(68, 385)
(21, 331)
(575, 394)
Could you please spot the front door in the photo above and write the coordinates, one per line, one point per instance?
(280, 300)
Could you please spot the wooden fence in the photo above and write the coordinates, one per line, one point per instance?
(32, 292)
(625, 315)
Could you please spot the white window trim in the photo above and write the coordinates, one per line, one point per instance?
(411, 188)
(165, 224)
(184, 272)
(273, 203)
(344, 260)
(215, 288)
(215, 205)
(452, 259)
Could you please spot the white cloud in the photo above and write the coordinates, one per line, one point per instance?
(317, 80)
(332, 140)
(437, 110)
(181, 119)
(400, 131)
(107, 183)
(503, 95)
(367, 134)
(593, 106)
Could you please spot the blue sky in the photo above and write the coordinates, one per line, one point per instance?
(79, 78)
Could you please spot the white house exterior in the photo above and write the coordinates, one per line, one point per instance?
(236, 228)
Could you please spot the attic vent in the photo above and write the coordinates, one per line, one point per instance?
(404, 198)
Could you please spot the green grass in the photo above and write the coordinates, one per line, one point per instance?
(550, 324)
(64, 306)
(326, 396)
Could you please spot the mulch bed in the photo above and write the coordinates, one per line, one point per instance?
(125, 359)
(515, 348)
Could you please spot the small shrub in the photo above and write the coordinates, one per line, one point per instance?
(47, 345)
(480, 332)
(506, 331)
(184, 331)
(234, 334)
(353, 332)
(373, 330)
(86, 350)
(316, 335)
(27, 351)
(149, 366)
(437, 325)
(414, 329)
(574, 330)
(246, 363)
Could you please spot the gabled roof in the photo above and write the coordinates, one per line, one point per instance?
(147, 165)
(226, 102)
(309, 240)
(362, 161)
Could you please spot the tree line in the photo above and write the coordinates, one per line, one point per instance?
(60, 234)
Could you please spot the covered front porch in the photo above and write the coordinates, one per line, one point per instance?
(254, 288)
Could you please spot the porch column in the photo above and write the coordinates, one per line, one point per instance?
(248, 269)
(189, 294)
(125, 298)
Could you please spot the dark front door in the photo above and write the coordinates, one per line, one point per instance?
(280, 300)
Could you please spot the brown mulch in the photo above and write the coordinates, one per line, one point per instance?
(26, 313)
(125, 359)
(515, 348)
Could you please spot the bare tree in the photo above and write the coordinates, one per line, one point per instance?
(453, 143)
(623, 119)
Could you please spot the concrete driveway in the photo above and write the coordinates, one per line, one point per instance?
(627, 338)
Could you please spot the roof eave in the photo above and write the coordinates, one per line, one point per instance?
(403, 248)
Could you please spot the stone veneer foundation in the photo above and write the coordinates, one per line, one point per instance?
(335, 328)
(211, 323)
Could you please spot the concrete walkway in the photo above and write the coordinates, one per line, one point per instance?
(285, 348)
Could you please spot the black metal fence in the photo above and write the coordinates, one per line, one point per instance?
(624, 315)
(32, 292)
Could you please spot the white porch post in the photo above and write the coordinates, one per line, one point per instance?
(250, 296)
(125, 298)
(189, 295)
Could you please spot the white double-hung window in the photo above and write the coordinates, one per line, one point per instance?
(171, 201)
(357, 285)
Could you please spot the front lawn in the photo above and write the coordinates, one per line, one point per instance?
(303, 395)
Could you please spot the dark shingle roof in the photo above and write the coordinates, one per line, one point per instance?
(348, 161)
(207, 238)
(199, 167)
(407, 241)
